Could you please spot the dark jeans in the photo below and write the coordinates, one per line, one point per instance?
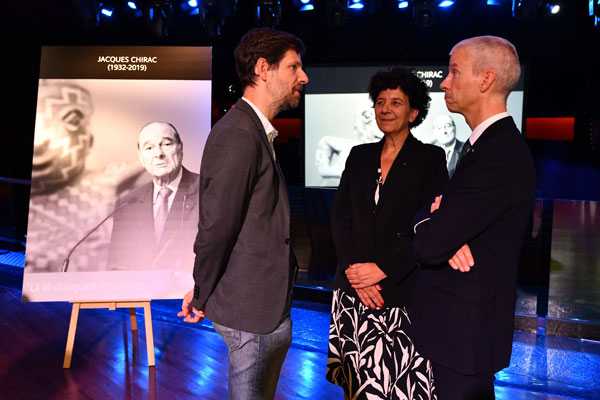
(255, 360)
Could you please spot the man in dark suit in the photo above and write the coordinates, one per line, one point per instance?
(243, 270)
(155, 225)
(464, 299)
(444, 133)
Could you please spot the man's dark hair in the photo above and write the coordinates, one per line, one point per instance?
(405, 80)
(264, 43)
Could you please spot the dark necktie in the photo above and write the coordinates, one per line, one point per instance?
(466, 147)
(163, 212)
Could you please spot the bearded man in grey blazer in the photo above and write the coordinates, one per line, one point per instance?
(243, 270)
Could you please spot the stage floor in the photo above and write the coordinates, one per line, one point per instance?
(110, 362)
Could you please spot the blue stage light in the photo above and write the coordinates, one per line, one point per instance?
(402, 4)
(107, 12)
(446, 3)
(306, 5)
(193, 3)
(132, 5)
(356, 5)
(494, 3)
(554, 8)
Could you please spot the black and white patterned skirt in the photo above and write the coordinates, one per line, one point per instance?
(371, 354)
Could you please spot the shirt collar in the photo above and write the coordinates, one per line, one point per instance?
(479, 129)
(173, 185)
(268, 127)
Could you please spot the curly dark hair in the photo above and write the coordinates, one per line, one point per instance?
(405, 80)
(264, 43)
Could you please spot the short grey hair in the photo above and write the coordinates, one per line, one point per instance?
(497, 54)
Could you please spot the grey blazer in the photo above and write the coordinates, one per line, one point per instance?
(243, 271)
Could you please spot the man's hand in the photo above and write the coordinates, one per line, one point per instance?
(436, 204)
(189, 313)
(371, 297)
(462, 260)
(361, 275)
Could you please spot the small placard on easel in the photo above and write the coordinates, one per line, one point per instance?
(112, 305)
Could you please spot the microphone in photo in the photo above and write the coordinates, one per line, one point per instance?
(129, 202)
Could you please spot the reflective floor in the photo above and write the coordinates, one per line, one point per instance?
(110, 362)
(575, 267)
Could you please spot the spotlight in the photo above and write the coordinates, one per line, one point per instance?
(336, 12)
(268, 13)
(494, 3)
(553, 8)
(211, 18)
(356, 4)
(159, 17)
(132, 5)
(446, 3)
(107, 9)
(423, 13)
(305, 5)
(190, 7)
(523, 9)
(403, 4)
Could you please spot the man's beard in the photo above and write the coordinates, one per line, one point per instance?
(290, 101)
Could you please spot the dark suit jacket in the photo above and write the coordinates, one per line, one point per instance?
(242, 271)
(365, 232)
(465, 321)
(133, 244)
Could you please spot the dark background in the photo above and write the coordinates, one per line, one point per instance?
(561, 53)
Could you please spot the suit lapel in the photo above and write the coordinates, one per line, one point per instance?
(398, 169)
(260, 130)
(365, 175)
(242, 105)
(144, 213)
(182, 206)
(505, 123)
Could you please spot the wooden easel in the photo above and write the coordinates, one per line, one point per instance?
(111, 305)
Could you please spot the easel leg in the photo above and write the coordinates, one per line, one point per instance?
(133, 319)
(71, 335)
(149, 334)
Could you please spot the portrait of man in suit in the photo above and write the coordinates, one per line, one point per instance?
(332, 151)
(468, 241)
(155, 225)
(244, 267)
(444, 135)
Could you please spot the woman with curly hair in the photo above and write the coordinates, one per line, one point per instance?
(371, 354)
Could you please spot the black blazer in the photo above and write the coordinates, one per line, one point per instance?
(365, 232)
(133, 245)
(465, 321)
(243, 271)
